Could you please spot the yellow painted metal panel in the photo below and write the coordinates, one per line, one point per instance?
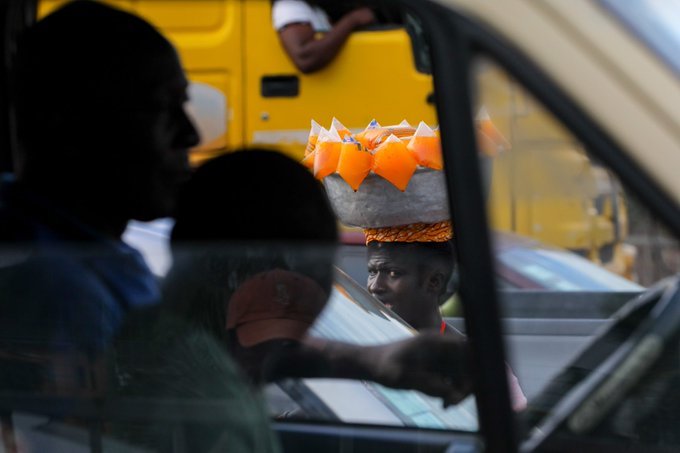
(373, 76)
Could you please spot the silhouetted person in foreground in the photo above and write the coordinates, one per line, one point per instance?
(103, 139)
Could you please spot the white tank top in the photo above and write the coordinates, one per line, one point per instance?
(286, 12)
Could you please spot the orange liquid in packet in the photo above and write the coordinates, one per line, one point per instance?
(311, 144)
(326, 158)
(490, 138)
(394, 162)
(308, 160)
(355, 163)
(313, 137)
(344, 133)
(361, 136)
(486, 146)
(398, 131)
(372, 138)
(427, 151)
(340, 128)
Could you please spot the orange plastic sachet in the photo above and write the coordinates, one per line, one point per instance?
(427, 151)
(355, 163)
(308, 160)
(402, 132)
(487, 147)
(394, 162)
(327, 153)
(426, 147)
(326, 159)
(311, 144)
(490, 137)
(312, 139)
(361, 136)
(342, 130)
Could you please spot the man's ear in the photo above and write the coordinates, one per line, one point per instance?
(441, 286)
(436, 282)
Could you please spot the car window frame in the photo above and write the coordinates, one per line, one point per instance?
(452, 48)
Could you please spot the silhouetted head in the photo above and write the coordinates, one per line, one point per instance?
(254, 195)
(242, 214)
(411, 278)
(100, 108)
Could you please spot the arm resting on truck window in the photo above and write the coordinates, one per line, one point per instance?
(310, 54)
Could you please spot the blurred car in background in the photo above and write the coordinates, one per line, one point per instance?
(521, 264)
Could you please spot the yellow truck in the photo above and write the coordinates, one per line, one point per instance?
(232, 46)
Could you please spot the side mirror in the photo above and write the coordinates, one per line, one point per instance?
(207, 107)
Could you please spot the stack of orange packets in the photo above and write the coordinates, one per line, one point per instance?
(392, 152)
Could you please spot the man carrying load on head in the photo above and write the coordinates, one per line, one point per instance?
(408, 235)
(409, 269)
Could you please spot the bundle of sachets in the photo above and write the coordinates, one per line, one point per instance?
(393, 153)
(383, 175)
(391, 176)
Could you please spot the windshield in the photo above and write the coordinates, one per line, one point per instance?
(655, 22)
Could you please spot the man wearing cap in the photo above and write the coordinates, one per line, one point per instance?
(269, 312)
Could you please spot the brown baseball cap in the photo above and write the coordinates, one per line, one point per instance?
(276, 304)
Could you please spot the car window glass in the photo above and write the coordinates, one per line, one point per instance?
(568, 237)
(187, 358)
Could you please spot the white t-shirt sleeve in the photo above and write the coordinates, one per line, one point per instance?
(286, 12)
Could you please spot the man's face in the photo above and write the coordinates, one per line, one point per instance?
(155, 137)
(395, 279)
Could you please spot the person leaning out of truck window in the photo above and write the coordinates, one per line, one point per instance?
(307, 34)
